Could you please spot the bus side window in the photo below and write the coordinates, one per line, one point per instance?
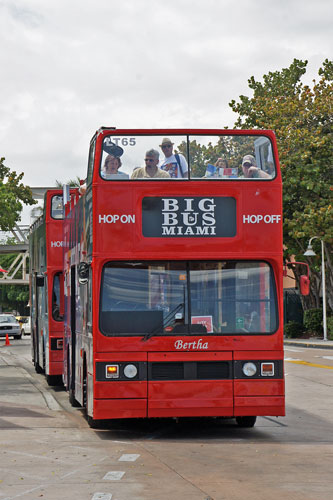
(58, 298)
(56, 207)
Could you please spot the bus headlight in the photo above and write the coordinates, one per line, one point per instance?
(130, 371)
(249, 369)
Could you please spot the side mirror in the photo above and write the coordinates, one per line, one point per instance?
(39, 280)
(83, 272)
(304, 284)
(304, 280)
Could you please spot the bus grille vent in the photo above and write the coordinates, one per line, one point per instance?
(167, 371)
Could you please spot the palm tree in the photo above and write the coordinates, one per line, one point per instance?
(71, 183)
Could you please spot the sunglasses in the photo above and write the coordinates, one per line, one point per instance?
(149, 159)
(166, 146)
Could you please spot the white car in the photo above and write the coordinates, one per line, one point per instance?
(26, 326)
(10, 326)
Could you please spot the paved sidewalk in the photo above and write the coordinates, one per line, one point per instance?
(313, 342)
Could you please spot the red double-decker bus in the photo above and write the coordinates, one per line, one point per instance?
(173, 277)
(46, 288)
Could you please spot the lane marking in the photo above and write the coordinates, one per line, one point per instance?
(82, 468)
(21, 473)
(293, 350)
(41, 457)
(315, 365)
(114, 475)
(102, 496)
(25, 492)
(128, 458)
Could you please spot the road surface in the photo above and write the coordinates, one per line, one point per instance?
(48, 451)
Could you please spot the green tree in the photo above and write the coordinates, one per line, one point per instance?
(12, 194)
(302, 118)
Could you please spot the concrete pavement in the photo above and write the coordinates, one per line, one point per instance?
(50, 452)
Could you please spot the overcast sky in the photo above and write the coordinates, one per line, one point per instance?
(69, 67)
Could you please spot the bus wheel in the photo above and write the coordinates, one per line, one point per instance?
(246, 421)
(94, 423)
(72, 399)
(38, 369)
(54, 380)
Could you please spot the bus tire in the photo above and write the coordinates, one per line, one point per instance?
(72, 400)
(94, 423)
(71, 391)
(248, 421)
(38, 369)
(54, 380)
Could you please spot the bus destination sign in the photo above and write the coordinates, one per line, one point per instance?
(213, 216)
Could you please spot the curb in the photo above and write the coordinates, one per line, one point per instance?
(315, 345)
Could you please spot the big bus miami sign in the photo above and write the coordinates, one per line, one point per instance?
(189, 217)
(173, 276)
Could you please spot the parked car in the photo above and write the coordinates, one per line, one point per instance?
(10, 326)
(25, 324)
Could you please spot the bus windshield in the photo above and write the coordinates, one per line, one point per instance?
(223, 157)
(161, 298)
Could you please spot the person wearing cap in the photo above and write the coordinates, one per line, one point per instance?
(151, 170)
(250, 169)
(175, 164)
(110, 169)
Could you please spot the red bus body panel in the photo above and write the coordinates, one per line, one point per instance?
(258, 238)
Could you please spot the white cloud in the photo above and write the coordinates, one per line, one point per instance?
(69, 67)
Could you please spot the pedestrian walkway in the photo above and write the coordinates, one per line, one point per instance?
(312, 342)
(20, 386)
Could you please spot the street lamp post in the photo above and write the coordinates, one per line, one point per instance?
(310, 253)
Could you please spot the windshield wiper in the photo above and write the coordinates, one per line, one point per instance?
(167, 319)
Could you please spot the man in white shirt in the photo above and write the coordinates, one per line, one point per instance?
(175, 164)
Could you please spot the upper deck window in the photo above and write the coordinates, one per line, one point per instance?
(57, 207)
(218, 157)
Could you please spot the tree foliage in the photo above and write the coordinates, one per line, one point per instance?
(12, 194)
(231, 148)
(302, 118)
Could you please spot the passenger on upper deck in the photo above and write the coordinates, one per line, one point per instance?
(151, 169)
(221, 163)
(250, 169)
(110, 168)
(175, 164)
